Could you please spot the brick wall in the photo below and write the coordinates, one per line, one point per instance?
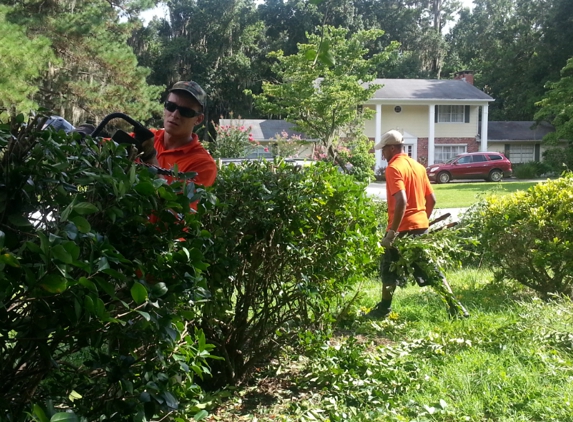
(472, 145)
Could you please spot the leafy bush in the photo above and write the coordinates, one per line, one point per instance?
(559, 159)
(233, 141)
(530, 170)
(360, 158)
(96, 303)
(528, 236)
(287, 242)
(288, 146)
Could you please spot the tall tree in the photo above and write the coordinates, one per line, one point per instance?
(557, 106)
(214, 42)
(323, 86)
(97, 72)
(515, 47)
(23, 61)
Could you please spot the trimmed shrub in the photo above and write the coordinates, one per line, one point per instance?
(96, 303)
(287, 243)
(530, 170)
(559, 159)
(528, 236)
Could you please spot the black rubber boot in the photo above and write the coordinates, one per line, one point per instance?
(380, 311)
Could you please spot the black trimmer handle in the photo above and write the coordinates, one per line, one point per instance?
(138, 127)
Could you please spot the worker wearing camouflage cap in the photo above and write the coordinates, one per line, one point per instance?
(176, 143)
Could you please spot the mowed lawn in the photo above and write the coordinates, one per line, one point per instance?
(461, 195)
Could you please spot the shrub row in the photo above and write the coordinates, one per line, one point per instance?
(109, 317)
(528, 236)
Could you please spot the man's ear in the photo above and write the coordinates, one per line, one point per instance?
(200, 119)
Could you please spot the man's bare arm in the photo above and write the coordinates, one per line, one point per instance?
(399, 210)
(430, 204)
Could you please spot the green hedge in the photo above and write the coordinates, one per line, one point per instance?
(287, 243)
(96, 303)
(528, 236)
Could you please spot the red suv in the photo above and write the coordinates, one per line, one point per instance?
(491, 166)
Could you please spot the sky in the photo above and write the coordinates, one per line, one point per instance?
(161, 11)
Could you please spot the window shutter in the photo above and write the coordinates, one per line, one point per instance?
(506, 149)
(537, 156)
(436, 111)
(467, 114)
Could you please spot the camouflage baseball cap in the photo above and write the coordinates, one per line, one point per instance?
(192, 88)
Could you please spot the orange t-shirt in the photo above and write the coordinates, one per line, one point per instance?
(408, 175)
(190, 157)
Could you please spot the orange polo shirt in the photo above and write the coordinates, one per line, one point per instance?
(190, 157)
(408, 175)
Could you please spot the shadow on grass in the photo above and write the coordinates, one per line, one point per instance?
(489, 298)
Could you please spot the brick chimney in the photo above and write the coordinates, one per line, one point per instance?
(465, 75)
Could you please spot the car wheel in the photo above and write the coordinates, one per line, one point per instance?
(443, 177)
(495, 176)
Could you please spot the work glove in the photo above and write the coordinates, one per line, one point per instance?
(144, 142)
(389, 238)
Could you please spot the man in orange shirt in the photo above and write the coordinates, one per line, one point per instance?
(176, 143)
(411, 201)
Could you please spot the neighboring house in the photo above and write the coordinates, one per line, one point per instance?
(438, 118)
(521, 142)
(265, 132)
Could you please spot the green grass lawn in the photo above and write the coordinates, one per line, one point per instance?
(512, 360)
(459, 195)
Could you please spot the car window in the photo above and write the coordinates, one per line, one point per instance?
(465, 160)
(478, 158)
(495, 157)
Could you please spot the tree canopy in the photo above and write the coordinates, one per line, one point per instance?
(84, 59)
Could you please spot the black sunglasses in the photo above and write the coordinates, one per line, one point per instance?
(183, 111)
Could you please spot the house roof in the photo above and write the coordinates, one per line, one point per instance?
(517, 131)
(262, 129)
(427, 91)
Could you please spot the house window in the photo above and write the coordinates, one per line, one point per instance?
(521, 153)
(451, 114)
(443, 153)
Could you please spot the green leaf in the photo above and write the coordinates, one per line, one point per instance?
(144, 315)
(310, 55)
(87, 284)
(10, 259)
(60, 253)
(19, 220)
(145, 188)
(315, 2)
(201, 415)
(325, 55)
(39, 413)
(170, 400)
(32, 247)
(81, 223)
(103, 264)
(89, 305)
(84, 208)
(54, 283)
(73, 249)
(66, 212)
(159, 289)
(138, 293)
(64, 417)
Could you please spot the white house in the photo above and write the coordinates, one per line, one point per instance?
(439, 118)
